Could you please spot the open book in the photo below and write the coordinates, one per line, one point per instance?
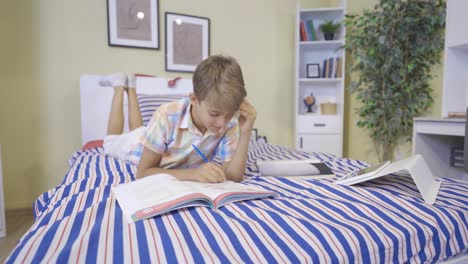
(160, 193)
(414, 166)
(303, 169)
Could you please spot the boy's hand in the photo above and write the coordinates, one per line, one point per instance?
(210, 172)
(247, 116)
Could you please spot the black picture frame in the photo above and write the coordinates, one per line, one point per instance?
(313, 70)
(187, 41)
(133, 24)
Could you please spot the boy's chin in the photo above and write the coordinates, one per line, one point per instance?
(215, 131)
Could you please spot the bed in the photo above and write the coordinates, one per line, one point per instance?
(309, 221)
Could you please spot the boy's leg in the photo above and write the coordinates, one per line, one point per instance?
(116, 117)
(134, 115)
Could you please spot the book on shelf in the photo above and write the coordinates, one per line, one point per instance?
(326, 68)
(303, 169)
(311, 29)
(331, 63)
(339, 62)
(161, 193)
(303, 32)
(332, 67)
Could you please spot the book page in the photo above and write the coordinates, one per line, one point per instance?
(364, 174)
(150, 191)
(228, 191)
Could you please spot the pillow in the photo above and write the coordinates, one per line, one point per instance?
(149, 103)
(93, 144)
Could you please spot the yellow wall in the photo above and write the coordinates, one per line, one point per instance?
(46, 45)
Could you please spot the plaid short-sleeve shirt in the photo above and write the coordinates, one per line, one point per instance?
(171, 133)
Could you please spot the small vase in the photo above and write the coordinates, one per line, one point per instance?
(329, 36)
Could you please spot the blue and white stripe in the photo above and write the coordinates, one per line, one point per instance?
(310, 221)
(149, 103)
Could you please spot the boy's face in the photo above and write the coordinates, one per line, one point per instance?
(206, 117)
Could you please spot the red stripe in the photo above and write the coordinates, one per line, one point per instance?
(87, 229)
(323, 227)
(131, 244)
(389, 245)
(242, 233)
(60, 240)
(154, 241)
(203, 210)
(30, 247)
(66, 224)
(261, 233)
(107, 229)
(189, 218)
(81, 241)
(286, 237)
(178, 240)
(294, 221)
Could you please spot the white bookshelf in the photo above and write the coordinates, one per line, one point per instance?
(455, 87)
(316, 131)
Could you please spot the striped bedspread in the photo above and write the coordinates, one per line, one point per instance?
(310, 221)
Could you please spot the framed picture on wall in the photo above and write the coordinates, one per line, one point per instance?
(187, 41)
(313, 70)
(133, 23)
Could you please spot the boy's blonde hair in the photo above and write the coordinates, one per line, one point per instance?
(218, 79)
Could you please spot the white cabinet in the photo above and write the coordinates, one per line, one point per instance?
(455, 88)
(316, 130)
(2, 208)
(434, 138)
(327, 143)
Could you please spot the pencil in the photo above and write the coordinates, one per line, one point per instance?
(200, 153)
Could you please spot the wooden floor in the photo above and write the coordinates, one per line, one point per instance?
(17, 223)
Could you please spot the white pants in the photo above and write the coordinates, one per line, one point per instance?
(119, 146)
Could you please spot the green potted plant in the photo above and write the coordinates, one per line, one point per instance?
(329, 29)
(393, 49)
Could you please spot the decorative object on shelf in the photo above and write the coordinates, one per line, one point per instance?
(187, 41)
(309, 102)
(394, 73)
(328, 108)
(133, 23)
(313, 70)
(329, 29)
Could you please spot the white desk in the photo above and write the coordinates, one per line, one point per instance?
(434, 138)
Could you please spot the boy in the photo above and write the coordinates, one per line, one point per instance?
(216, 118)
